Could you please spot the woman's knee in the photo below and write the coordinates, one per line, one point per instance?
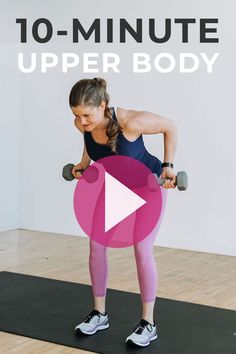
(96, 248)
(143, 254)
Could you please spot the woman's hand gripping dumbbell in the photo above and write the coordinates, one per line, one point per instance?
(71, 171)
(181, 181)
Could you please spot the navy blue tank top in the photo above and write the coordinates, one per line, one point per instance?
(135, 149)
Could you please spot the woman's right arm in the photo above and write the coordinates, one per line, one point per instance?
(85, 161)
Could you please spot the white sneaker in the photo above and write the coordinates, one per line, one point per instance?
(143, 334)
(93, 322)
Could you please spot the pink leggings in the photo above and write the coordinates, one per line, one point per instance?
(145, 263)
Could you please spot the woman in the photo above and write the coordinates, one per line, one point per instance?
(109, 131)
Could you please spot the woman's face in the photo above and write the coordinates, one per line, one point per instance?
(90, 117)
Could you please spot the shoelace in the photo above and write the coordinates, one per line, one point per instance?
(90, 316)
(140, 328)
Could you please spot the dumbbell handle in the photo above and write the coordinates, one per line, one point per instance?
(181, 180)
(80, 170)
(161, 181)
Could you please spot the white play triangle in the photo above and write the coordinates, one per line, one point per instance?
(120, 201)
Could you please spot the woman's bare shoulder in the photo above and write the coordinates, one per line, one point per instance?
(125, 116)
(126, 119)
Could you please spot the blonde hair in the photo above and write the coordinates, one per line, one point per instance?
(92, 92)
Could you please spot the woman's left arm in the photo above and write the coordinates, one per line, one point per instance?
(143, 122)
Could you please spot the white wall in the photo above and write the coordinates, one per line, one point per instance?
(202, 105)
(9, 140)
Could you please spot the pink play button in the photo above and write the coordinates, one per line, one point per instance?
(115, 203)
(119, 210)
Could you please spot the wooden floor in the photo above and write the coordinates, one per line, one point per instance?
(195, 277)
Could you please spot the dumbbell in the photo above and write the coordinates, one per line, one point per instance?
(181, 181)
(90, 177)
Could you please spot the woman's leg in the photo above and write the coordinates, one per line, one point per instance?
(98, 267)
(98, 260)
(147, 268)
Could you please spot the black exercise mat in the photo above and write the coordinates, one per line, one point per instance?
(49, 309)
